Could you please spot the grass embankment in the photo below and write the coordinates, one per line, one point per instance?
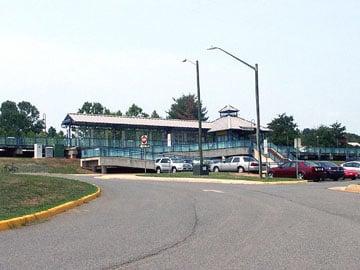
(44, 165)
(220, 175)
(26, 194)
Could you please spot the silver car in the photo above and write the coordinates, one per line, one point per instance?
(166, 164)
(351, 166)
(236, 164)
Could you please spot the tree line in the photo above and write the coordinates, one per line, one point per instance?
(184, 107)
(285, 130)
(23, 118)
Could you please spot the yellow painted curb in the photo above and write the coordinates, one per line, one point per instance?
(20, 221)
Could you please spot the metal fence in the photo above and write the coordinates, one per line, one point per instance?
(30, 141)
(154, 151)
(123, 146)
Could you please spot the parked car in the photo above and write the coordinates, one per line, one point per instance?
(166, 164)
(306, 170)
(332, 170)
(236, 164)
(351, 174)
(352, 166)
(206, 161)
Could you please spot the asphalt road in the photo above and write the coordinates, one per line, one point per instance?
(159, 225)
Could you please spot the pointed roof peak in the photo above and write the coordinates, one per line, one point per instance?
(228, 109)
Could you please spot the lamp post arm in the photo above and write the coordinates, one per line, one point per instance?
(233, 56)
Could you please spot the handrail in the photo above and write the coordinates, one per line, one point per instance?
(89, 142)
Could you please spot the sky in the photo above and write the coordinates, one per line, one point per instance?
(59, 54)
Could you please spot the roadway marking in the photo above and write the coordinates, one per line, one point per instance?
(213, 190)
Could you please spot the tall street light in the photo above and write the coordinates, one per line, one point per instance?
(255, 68)
(199, 112)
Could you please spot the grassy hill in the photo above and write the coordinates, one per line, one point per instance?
(44, 165)
(26, 194)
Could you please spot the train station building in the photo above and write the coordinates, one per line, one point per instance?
(122, 131)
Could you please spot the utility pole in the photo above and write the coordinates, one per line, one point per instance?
(199, 116)
(256, 69)
(258, 118)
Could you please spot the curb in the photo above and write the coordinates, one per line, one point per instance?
(196, 180)
(21, 221)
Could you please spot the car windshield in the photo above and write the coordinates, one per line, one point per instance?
(327, 164)
(249, 159)
(311, 164)
(177, 160)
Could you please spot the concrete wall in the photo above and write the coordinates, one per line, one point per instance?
(117, 162)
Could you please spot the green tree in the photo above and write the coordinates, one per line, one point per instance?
(51, 132)
(136, 111)
(308, 137)
(94, 108)
(118, 113)
(154, 114)
(186, 107)
(9, 118)
(20, 119)
(325, 136)
(338, 131)
(284, 130)
(352, 137)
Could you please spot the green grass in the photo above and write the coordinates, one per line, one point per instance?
(26, 194)
(220, 175)
(44, 165)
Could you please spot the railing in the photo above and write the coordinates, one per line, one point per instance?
(152, 152)
(161, 146)
(118, 152)
(290, 152)
(30, 141)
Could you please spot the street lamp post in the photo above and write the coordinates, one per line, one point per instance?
(199, 112)
(256, 69)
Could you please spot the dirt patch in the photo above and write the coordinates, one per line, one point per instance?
(353, 188)
(245, 174)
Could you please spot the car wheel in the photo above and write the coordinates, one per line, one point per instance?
(241, 169)
(271, 175)
(216, 169)
(174, 170)
(158, 170)
(301, 176)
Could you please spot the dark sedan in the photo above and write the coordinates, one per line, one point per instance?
(332, 171)
(306, 170)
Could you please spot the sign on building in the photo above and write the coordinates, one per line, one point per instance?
(144, 141)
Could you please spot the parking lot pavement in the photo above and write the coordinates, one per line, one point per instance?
(162, 225)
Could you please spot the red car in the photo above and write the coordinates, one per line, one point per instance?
(306, 170)
(351, 174)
